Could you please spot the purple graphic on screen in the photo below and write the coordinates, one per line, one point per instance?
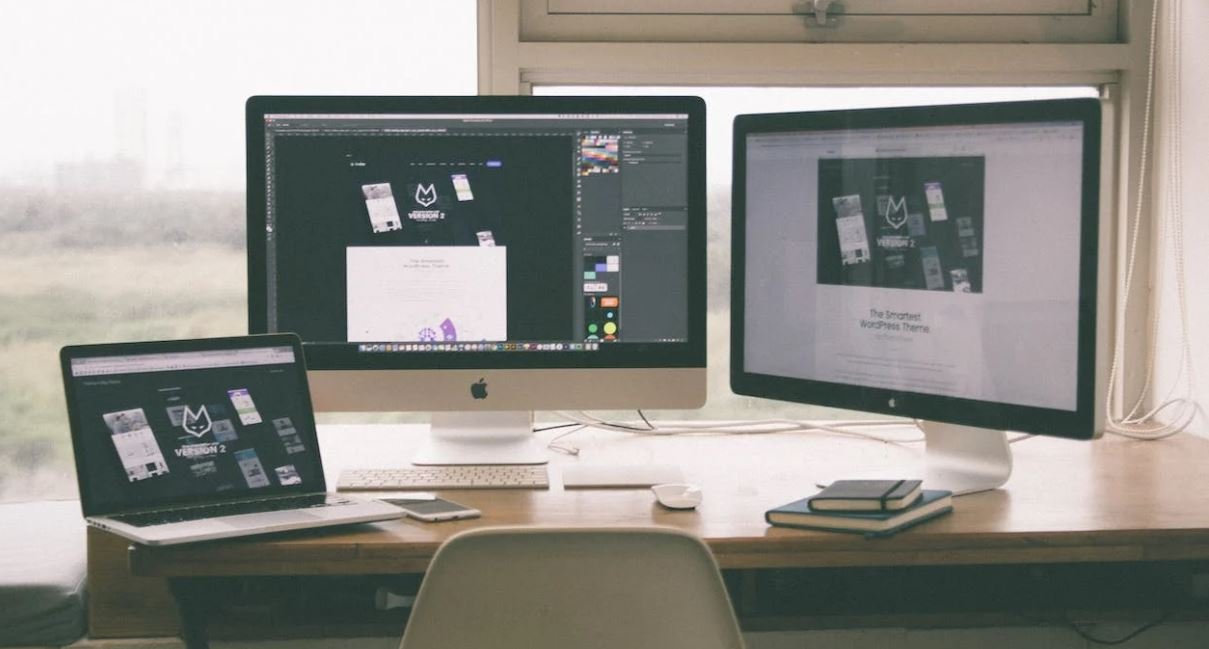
(450, 331)
(427, 335)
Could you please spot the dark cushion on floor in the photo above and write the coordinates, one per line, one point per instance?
(43, 564)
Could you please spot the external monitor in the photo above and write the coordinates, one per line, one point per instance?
(482, 257)
(938, 263)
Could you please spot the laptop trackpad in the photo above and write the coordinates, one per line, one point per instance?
(269, 518)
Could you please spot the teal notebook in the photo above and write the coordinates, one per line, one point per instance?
(932, 503)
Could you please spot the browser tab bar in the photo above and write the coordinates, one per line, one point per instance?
(171, 362)
(269, 118)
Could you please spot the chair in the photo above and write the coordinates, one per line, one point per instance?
(43, 568)
(559, 588)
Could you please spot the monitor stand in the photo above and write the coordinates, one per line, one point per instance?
(965, 459)
(961, 459)
(493, 437)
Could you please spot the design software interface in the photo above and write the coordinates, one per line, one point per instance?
(160, 427)
(916, 250)
(477, 232)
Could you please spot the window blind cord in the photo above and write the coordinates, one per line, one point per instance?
(1133, 424)
(1176, 213)
(1171, 224)
(1112, 422)
(1174, 216)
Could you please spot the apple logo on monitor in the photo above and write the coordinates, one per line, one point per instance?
(478, 390)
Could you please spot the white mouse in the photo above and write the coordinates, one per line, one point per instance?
(677, 495)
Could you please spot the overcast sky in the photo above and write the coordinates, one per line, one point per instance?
(66, 67)
(165, 80)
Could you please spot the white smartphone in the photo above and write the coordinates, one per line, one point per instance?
(433, 509)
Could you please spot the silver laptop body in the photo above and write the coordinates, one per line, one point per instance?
(180, 441)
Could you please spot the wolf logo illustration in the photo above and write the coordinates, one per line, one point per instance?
(426, 195)
(896, 211)
(196, 423)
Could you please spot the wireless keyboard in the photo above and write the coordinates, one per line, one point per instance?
(478, 476)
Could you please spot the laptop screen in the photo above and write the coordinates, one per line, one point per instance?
(167, 426)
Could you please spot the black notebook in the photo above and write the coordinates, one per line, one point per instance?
(867, 495)
(931, 503)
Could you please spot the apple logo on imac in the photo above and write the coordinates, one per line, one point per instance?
(478, 390)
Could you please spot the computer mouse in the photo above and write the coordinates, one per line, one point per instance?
(677, 495)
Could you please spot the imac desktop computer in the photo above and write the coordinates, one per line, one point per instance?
(482, 257)
(939, 263)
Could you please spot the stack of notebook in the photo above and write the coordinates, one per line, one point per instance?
(870, 507)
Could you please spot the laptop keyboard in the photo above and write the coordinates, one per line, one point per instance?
(147, 519)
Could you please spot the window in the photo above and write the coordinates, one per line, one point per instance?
(122, 173)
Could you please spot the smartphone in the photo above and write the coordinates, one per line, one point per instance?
(433, 509)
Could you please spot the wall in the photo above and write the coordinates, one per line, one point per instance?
(1195, 109)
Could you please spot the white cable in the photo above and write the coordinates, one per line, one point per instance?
(582, 420)
(748, 427)
(707, 426)
(1144, 426)
(569, 450)
(724, 427)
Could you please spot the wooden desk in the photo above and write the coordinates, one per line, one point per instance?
(1111, 500)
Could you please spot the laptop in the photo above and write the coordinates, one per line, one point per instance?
(192, 440)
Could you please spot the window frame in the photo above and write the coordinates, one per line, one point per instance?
(859, 7)
(847, 21)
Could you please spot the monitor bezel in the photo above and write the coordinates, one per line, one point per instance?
(345, 356)
(1080, 423)
(93, 506)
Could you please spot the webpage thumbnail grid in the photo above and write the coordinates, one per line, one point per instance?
(909, 223)
(159, 436)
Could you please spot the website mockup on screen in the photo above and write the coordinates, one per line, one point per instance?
(161, 427)
(435, 232)
(936, 260)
